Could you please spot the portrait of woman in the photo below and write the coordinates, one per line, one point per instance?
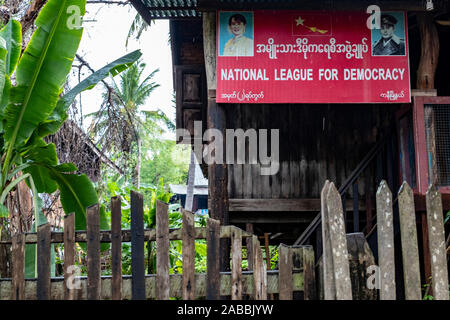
(240, 45)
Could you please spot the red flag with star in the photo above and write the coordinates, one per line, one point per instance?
(311, 25)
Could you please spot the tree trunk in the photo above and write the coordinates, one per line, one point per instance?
(137, 170)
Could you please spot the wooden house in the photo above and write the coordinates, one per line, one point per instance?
(354, 145)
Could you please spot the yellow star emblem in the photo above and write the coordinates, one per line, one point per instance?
(299, 20)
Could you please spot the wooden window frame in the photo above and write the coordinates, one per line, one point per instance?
(420, 142)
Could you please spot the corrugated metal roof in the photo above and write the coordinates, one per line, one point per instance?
(166, 9)
(171, 9)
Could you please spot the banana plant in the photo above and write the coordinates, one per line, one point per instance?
(32, 108)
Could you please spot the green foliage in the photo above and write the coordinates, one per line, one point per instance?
(138, 26)
(164, 159)
(151, 194)
(120, 124)
(33, 108)
(12, 35)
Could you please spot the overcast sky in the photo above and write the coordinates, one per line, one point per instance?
(104, 41)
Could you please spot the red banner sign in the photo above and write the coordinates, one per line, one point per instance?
(311, 57)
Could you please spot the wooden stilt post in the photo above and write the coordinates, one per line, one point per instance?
(217, 172)
(425, 80)
(429, 51)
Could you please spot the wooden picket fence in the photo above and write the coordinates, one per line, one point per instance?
(336, 273)
(296, 267)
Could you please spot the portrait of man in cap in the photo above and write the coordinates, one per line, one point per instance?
(391, 42)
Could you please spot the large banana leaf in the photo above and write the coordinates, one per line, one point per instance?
(12, 34)
(77, 193)
(3, 58)
(41, 72)
(59, 115)
(4, 98)
(41, 155)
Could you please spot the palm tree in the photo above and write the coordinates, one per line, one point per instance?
(119, 124)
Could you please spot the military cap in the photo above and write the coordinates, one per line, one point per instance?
(388, 19)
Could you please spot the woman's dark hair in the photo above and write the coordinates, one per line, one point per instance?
(238, 18)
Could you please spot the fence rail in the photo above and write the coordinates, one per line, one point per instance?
(296, 273)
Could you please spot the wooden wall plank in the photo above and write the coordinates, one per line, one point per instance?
(289, 205)
(236, 254)
(69, 257)
(162, 254)
(43, 262)
(212, 259)
(116, 248)
(436, 242)
(355, 195)
(247, 185)
(410, 251)
(18, 267)
(285, 180)
(285, 272)
(385, 230)
(339, 244)
(93, 252)
(188, 256)
(309, 275)
(265, 179)
(238, 173)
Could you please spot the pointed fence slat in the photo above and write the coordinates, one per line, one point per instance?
(212, 259)
(93, 252)
(18, 267)
(338, 244)
(256, 247)
(137, 247)
(162, 254)
(43, 262)
(69, 257)
(309, 275)
(285, 272)
(259, 272)
(188, 256)
(436, 242)
(410, 251)
(385, 231)
(116, 248)
(327, 258)
(236, 260)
